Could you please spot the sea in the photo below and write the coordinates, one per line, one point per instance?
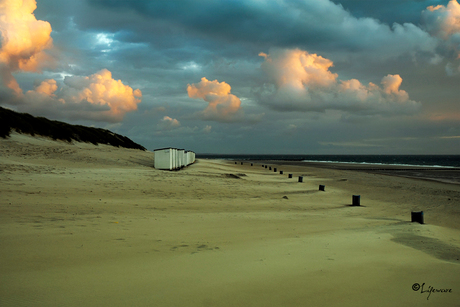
(441, 161)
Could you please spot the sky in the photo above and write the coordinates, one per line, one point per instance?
(241, 76)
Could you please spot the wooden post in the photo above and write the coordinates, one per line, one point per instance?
(356, 200)
(417, 217)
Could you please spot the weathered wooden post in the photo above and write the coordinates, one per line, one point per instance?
(417, 217)
(356, 200)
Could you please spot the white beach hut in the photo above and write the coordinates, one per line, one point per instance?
(191, 157)
(176, 159)
(174, 154)
(163, 158)
(186, 156)
(181, 158)
(172, 158)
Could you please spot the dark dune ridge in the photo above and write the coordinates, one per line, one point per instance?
(28, 124)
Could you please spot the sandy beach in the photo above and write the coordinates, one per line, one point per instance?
(86, 225)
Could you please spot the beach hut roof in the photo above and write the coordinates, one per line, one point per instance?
(164, 148)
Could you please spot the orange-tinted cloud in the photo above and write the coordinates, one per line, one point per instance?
(97, 97)
(24, 40)
(47, 87)
(391, 84)
(443, 21)
(303, 82)
(168, 123)
(298, 69)
(222, 106)
(101, 89)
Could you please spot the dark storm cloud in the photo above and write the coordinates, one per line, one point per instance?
(305, 24)
(388, 11)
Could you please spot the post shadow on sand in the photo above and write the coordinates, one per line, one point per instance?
(300, 192)
(431, 246)
(351, 205)
(356, 201)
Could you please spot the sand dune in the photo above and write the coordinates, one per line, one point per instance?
(85, 225)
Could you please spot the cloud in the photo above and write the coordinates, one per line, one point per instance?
(47, 87)
(451, 70)
(168, 123)
(234, 27)
(296, 69)
(222, 106)
(443, 22)
(303, 82)
(389, 11)
(97, 97)
(207, 129)
(24, 40)
(451, 116)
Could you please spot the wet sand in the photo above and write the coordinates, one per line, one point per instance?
(441, 174)
(85, 225)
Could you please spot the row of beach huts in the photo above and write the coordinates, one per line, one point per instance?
(172, 158)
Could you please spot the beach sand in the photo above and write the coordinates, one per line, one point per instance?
(85, 225)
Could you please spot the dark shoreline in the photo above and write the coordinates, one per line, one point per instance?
(439, 174)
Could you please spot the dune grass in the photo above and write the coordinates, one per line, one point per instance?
(28, 124)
